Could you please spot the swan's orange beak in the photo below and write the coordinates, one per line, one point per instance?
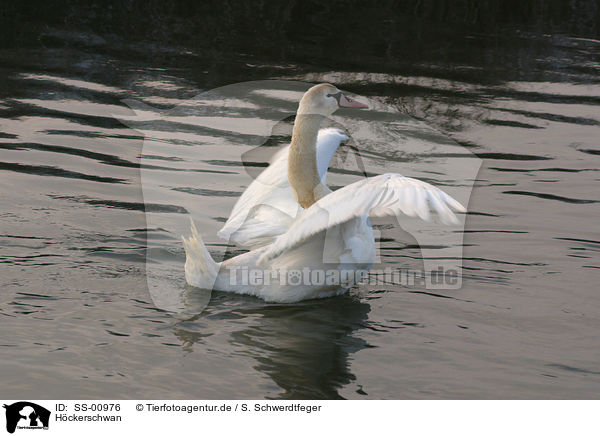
(348, 102)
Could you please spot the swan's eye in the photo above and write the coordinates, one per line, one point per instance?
(337, 96)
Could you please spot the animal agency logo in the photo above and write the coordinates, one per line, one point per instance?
(26, 415)
(246, 125)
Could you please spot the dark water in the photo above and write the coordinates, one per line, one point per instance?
(76, 314)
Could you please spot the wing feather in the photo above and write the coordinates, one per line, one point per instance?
(272, 189)
(387, 194)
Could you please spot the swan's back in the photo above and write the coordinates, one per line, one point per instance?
(267, 207)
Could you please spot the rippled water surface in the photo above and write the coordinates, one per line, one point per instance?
(77, 317)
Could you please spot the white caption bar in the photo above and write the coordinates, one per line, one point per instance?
(163, 417)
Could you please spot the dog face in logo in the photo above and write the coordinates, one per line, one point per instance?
(28, 414)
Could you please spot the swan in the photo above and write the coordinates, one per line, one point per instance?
(303, 237)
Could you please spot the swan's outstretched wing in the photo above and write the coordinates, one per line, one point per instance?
(387, 194)
(251, 222)
(271, 188)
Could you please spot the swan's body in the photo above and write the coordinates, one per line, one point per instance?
(294, 223)
(267, 207)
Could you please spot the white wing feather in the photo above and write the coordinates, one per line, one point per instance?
(387, 194)
(271, 191)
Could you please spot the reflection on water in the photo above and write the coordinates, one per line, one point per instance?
(304, 348)
(75, 239)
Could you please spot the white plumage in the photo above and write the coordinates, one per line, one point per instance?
(267, 207)
(332, 234)
(387, 194)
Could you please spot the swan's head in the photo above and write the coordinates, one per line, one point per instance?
(325, 99)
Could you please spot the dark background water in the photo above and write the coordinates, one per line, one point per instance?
(514, 83)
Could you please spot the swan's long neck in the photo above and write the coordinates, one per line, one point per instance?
(302, 160)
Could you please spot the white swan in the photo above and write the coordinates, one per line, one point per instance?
(330, 235)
